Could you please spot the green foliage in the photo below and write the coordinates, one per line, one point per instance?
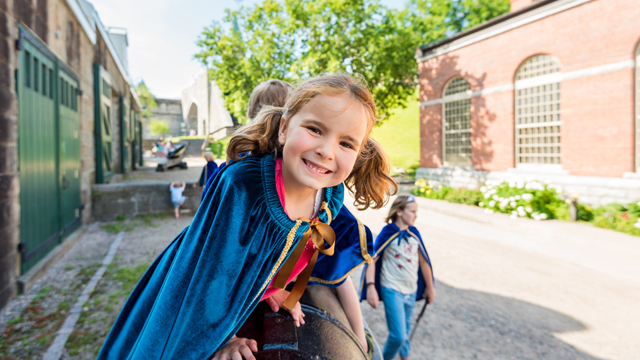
(147, 100)
(448, 193)
(159, 127)
(525, 199)
(618, 217)
(297, 39)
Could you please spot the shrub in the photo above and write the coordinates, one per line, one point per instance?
(448, 193)
(533, 199)
(619, 217)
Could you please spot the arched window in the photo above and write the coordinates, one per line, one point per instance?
(456, 122)
(537, 112)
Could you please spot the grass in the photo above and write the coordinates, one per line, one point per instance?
(103, 308)
(188, 137)
(399, 135)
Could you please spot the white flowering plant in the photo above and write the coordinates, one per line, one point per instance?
(532, 199)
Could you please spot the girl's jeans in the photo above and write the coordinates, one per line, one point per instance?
(398, 308)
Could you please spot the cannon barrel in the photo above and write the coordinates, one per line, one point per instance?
(326, 333)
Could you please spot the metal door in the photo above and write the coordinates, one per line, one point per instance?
(37, 146)
(69, 150)
(103, 126)
(125, 134)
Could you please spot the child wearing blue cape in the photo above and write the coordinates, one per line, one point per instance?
(401, 275)
(261, 224)
(354, 241)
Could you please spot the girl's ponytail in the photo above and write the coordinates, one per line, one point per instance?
(260, 137)
(369, 181)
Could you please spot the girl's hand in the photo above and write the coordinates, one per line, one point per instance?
(372, 297)
(429, 294)
(275, 303)
(237, 349)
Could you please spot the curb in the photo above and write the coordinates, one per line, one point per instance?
(54, 352)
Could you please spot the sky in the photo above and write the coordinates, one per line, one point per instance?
(162, 37)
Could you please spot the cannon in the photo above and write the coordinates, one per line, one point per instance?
(174, 158)
(326, 334)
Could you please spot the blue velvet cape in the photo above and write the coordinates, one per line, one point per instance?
(354, 244)
(202, 287)
(390, 233)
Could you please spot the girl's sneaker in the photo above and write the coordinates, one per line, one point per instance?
(177, 216)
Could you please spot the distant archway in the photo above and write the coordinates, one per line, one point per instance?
(192, 118)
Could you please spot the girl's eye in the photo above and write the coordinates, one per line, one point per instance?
(347, 145)
(315, 130)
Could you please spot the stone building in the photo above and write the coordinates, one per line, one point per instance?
(544, 92)
(203, 107)
(171, 111)
(68, 119)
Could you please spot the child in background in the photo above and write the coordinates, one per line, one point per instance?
(177, 198)
(401, 274)
(209, 170)
(243, 241)
(272, 92)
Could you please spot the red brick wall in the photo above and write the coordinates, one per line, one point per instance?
(596, 111)
(519, 4)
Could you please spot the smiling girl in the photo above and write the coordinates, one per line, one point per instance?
(261, 224)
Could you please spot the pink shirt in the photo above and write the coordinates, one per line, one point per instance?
(309, 248)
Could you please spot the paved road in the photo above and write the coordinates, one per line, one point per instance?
(521, 289)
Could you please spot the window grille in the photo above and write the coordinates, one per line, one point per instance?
(457, 122)
(537, 114)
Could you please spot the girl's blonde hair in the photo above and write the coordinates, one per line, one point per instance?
(369, 181)
(399, 204)
(272, 92)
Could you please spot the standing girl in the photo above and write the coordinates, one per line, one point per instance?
(201, 289)
(402, 274)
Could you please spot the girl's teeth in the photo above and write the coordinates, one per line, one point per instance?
(315, 168)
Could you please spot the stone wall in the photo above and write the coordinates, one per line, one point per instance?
(9, 178)
(132, 199)
(170, 110)
(591, 190)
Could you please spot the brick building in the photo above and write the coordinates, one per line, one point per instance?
(549, 91)
(68, 119)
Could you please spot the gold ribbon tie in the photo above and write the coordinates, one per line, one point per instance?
(319, 233)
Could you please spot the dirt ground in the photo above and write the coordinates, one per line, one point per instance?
(506, 289)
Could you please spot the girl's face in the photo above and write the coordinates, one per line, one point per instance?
(322, 141)
(409, 214)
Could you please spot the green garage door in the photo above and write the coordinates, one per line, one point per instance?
(39, 221)
(69, 150)
(125, 134)
(103, 128)
(49, 149)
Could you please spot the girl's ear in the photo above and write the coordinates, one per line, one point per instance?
(282, 132)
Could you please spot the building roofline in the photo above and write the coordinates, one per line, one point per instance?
(436, 44)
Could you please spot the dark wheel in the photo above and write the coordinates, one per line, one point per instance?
(159, 168)
(183, 166)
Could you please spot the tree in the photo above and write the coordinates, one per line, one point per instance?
(298, 39)
(147, 100)
(159, 127)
